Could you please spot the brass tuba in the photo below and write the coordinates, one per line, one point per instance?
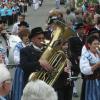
(54, 55)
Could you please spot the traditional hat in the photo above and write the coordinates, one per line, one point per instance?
(4, 73)
(23, 24)
(78, 26)
(51, 19)
(36, 31)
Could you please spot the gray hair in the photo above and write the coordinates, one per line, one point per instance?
(38, 90)
(4, 73)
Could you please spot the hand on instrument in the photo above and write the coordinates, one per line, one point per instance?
(67, 69)
(45, 65)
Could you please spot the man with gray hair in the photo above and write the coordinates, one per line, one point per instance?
(5, 80)
(38, 90)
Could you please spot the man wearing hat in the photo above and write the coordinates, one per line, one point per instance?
(30, 56)
(5, 80)
(75, 45)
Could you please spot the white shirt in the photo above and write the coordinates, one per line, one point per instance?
(15, 28)
(35, 1)
(87, 59)
(17, 52)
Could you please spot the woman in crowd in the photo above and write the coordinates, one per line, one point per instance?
(18, 82)
(90, 68)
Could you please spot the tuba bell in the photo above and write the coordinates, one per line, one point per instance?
(54, 55)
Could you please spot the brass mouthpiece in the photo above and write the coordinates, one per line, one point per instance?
(46, 42)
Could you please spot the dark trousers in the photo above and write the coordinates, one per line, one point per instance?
(41, 2)
(4, 18)
(9, 20)
(65, 93)
(83, 90)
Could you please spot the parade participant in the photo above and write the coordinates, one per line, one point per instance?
(57, 4)
(9, 15)
(62, 86)
(51, 26)
(25, 6)
(5, 80)
(21, 18)
(68, 18)
(41, 2)
(23, 25)
(38, 90)
(75, 45)
(90, 68)
(97, 26)
(95, 32)
(30, 56)
(4, 43)
(15, 12)
(3, 13)
(35, 4)
(18, 82)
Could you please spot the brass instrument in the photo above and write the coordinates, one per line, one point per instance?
(54, 55)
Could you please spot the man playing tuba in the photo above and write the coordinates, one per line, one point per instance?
(30, 56)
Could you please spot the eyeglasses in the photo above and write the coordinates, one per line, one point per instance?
(8, 81)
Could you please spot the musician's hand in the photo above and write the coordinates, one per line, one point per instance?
(45, 65)
(67, 69)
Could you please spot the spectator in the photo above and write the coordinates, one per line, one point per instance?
(5, 80)
(21, 18)
(38, 90)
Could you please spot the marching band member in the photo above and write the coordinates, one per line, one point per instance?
(90, 68)
(62, 86)
(30, 56)
(75, 45)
